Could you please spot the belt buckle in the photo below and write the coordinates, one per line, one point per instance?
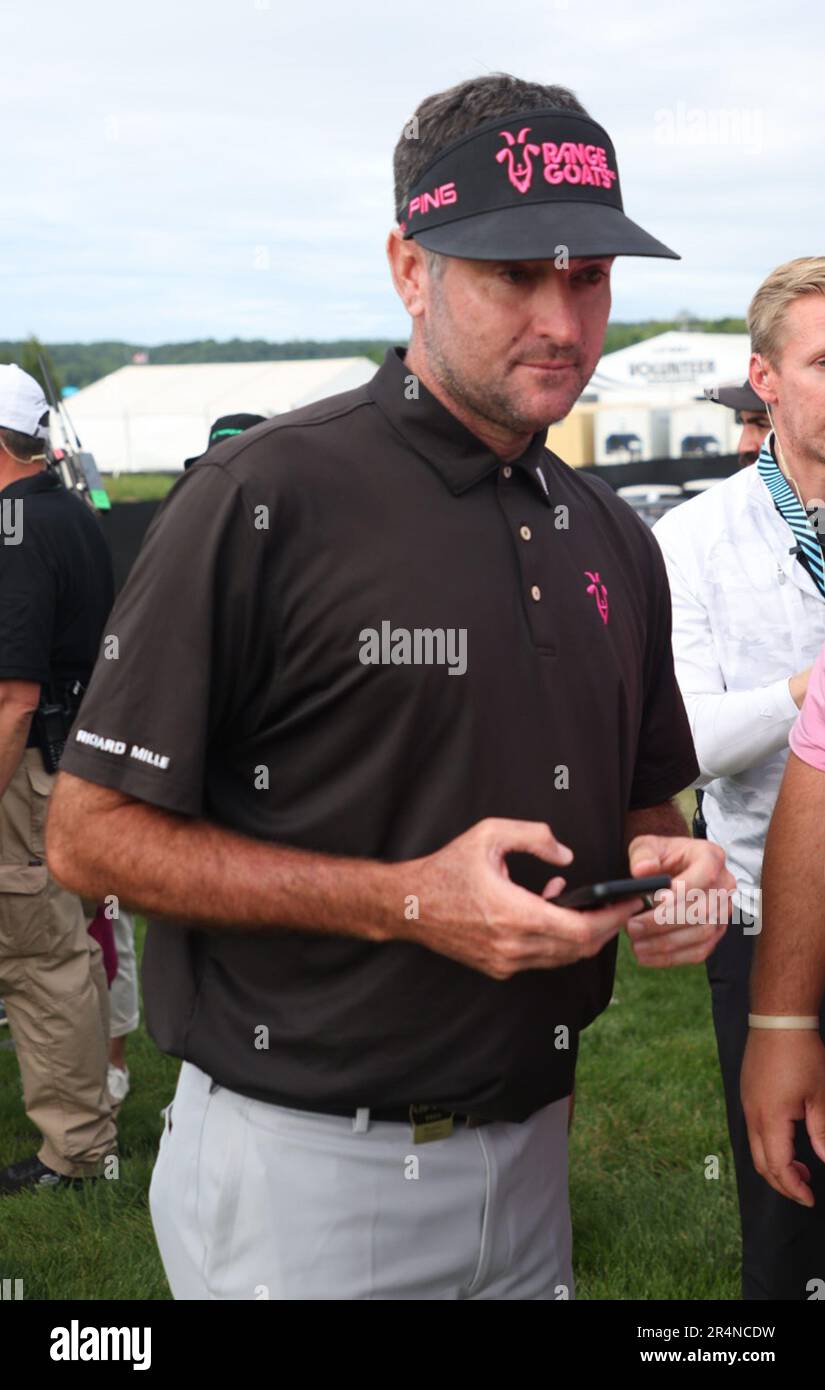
(428, 1123)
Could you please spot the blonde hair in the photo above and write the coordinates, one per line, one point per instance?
(770, 304)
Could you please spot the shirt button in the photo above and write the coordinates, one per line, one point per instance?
(525, 533)
(535, 592)
(507, 471)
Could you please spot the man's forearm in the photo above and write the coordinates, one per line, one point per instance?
(173, 866)
(788, 975)
(665, 819)
(14, 731)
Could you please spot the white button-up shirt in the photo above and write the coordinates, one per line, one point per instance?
(746, 617)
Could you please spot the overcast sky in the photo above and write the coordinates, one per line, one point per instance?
(179, 169)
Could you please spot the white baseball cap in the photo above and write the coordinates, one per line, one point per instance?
(23, 406)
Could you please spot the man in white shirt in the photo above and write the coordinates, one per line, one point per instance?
(748, 588)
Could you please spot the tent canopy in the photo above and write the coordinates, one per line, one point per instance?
(148, 419)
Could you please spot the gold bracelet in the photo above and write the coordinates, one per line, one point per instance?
(782, 1021)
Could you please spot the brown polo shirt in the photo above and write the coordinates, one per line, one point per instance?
(353, 630)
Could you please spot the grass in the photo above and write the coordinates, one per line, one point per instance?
(98, 1242)
(138, 487)
(647, 1223)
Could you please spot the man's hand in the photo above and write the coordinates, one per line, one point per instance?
(783, 1080)
(471, 911)
(697, 864)
(172, 866)
(798, 686)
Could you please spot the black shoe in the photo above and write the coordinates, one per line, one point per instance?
(31, 1173)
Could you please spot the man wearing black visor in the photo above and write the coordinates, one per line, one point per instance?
(750, 414)
(413, 666)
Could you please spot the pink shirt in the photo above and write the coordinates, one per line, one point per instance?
(807, 735)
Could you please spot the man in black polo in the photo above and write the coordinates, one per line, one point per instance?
(383, 660)
(55, 592)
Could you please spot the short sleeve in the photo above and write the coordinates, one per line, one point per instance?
(807, 735)
(179, 636)
(28, 602)
(665, 759)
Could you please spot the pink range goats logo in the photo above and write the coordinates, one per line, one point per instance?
(520, 174)
(599, 590)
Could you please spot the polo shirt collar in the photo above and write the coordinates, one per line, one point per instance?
(458, 455)
(43, 481)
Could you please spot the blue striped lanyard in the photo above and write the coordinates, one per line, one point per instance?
(790, 509)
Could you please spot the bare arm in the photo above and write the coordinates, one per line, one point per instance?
(788, 974)
(458, 901)
(783, 1074)
(103, 842)
(665, 819)
(18, 701)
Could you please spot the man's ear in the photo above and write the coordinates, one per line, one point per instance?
(408, 270)
(762, 377)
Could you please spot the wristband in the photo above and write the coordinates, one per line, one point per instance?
(783, 1021)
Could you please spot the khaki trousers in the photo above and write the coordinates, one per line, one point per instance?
(53, 984)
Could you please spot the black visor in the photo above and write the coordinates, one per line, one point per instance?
(526, 187)
(737, 397)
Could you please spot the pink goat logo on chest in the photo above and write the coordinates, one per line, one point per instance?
(599, 590)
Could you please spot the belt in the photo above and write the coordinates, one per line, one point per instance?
(427, 1122)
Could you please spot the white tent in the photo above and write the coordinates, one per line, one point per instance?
(148, 419)
(672, 367)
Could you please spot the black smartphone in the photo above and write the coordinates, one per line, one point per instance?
(602, 894)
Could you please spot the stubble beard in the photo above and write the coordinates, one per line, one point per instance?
(811, 451)
(487, 400)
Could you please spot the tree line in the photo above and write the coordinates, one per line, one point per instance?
(79, 364)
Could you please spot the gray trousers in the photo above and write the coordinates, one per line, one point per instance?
(255, 1201)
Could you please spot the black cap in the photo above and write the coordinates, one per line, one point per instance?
(520, 188)
(737, 397)
(223, 428)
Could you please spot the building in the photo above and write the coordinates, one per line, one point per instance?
(647, 401)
